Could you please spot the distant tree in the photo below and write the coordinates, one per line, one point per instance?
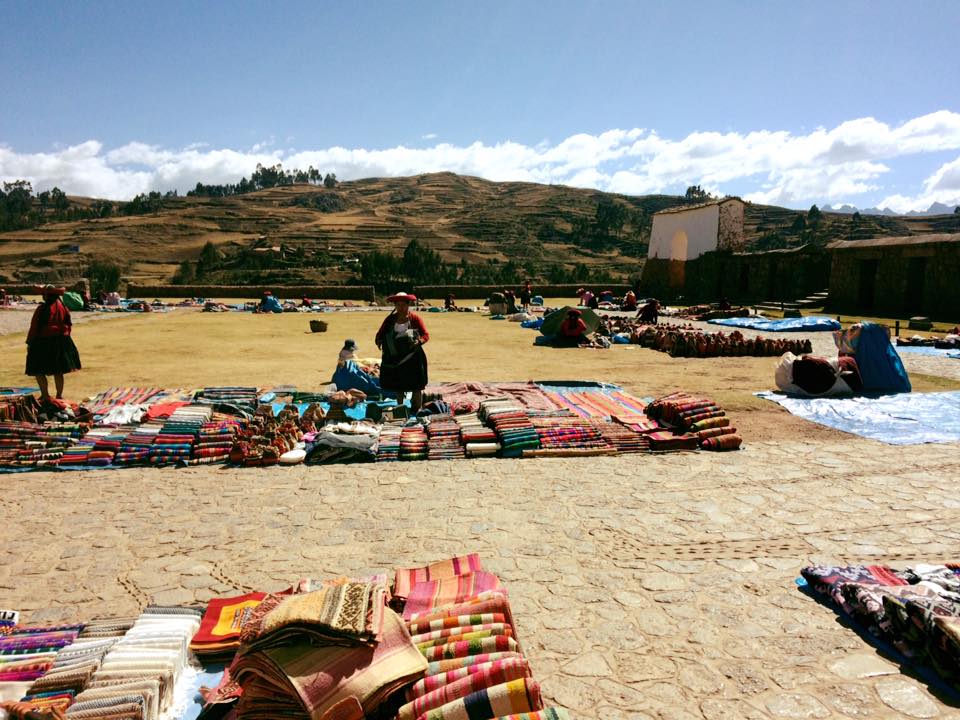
(103, 276)
(799, 225)
(185, 273)
(59, 200)
(814, 216)
(696, 194)
(330, 180)
(956, 210)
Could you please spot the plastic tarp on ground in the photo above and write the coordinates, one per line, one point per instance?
(813, 323)
(931, 351)
(901, 419)
(551, 323)
(350, 376)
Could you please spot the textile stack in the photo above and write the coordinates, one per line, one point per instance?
(218, 637)
(477, 438)
(414, 443)
(139, 674)
(687, 341)
(389, 448)
(215, 441)
(562, 433)
(97, 448)
(28, 653)
(696, 421)
(459, 617)
(29, 445)
(916, 609)
(623, 438)
(334, 647)
(174, 443)
(136, 446)
(103, 403)
(444, 437)
(512, 425)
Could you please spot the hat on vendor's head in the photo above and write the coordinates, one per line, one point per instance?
(48, 290)
(402, 297)
(267, 292)
(349, 344)
(574, 311)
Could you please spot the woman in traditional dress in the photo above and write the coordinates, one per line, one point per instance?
(50, 349)
(573, 330)
(403, 367)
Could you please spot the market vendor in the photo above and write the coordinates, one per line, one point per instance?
(629, 301)
(450, 303)
(650, 312)
(573, 330)
(401, 337)
(50, 349)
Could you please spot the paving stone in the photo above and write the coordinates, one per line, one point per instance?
(862, 665)
(905, 697)
(590, 665)
(796, 705)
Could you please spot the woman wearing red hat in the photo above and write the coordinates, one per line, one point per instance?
(403, 367)
(573, 330)
(50, 349)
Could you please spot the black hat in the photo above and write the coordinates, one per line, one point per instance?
(349, 344)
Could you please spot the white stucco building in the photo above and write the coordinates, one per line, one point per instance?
(686, 233)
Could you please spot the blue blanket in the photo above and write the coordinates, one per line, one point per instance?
(813, 323)
(932, 351)
(901, 419)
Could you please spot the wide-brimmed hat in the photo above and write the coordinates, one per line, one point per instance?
(48, 289)
(402, 297)
(573, 311)
(267, 292)
(350, 344)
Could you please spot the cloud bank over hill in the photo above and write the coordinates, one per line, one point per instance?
(825, 165)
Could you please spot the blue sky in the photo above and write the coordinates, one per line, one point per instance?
(791, 103)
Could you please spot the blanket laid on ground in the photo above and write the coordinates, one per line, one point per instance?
(900, 419)
(811, 323)
(932, 351)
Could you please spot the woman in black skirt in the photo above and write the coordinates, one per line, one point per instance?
(50, 349)
(403, 367)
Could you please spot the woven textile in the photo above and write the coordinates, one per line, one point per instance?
(425, 596)
(516, 696)
(406, 578)
(484, 676)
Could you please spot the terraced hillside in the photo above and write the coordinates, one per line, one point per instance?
(289, 234)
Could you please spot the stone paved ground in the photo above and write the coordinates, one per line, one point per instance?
(643, 587)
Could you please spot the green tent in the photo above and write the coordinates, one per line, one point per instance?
(551, 323)
(73, 301)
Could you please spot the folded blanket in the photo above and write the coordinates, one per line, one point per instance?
(495, 643)
(440, 667)
(430, 594)
(516, 696)
(406, 578)
(484, 676)
(416, 628)
(828, 580)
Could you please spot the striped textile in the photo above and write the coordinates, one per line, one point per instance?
(496, 643)
(434, 593)
(417, 628)
(550, 713)
(474, 632)
(483, 676)
(516, 696)
(439, 667)
(406, 578)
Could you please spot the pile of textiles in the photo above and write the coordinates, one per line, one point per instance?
(622, 437)
(267, 437)
(512, 425)
(140, 671)
(478, 439)
(24, 445)
(414, 443)
(329, 646)
(916, 609)
(218, 637)
(241, 400)
(459, 618)
(342, 442)
(174, 443)
(215, 440)
(595, 403)
(388, 449)
(97, 448)
(464, 397)
(136, 446)
(444, 438)
(561, 433)
(31, 657)
(712, 312)
(695, 421)
(103, 403)
(685, 342)
(18, 407)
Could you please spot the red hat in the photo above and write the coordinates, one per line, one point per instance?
(402, 297)
(267, 292)
(47, 290)
(572, 311)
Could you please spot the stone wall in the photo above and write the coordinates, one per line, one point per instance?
(330, 292)
(909, 279)
(437, 292)
(740, 277)
(730, 229)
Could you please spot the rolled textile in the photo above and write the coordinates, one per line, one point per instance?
(714, 432)
(406, 578)
(713, 422)
(445, 591)
(476, 632)
(437, 680)
(722, 442)
(550, 713)
(491, 601)
(439, 667)
(443, 623)
(516, 696)
(828, 579)
(486, 676)
(495, 643)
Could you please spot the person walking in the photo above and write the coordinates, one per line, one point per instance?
(403, 367)
(50, 349)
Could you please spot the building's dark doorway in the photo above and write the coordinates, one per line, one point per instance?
(916, 278)
(867, 295)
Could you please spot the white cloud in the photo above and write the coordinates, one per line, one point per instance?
(776, 166)
(943, 187)
(429, 136)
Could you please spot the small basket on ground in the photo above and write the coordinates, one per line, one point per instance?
(318, 326)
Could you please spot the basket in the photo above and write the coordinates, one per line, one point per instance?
(318, 326)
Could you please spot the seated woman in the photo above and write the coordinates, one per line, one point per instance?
(649, 313)
(450, 303)
(572, 331)
(629, 301)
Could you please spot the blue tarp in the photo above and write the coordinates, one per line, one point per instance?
(351, 376)
(532, 324)
(880, 366)
(931, 351)
(901, 419)
(813, 323)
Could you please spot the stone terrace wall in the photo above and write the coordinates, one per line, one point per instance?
(483, 291)
(317, 292)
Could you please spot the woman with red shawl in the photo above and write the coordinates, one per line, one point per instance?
(403, 367)
(50, 349)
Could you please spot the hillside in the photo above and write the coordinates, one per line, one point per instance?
(306, 233)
